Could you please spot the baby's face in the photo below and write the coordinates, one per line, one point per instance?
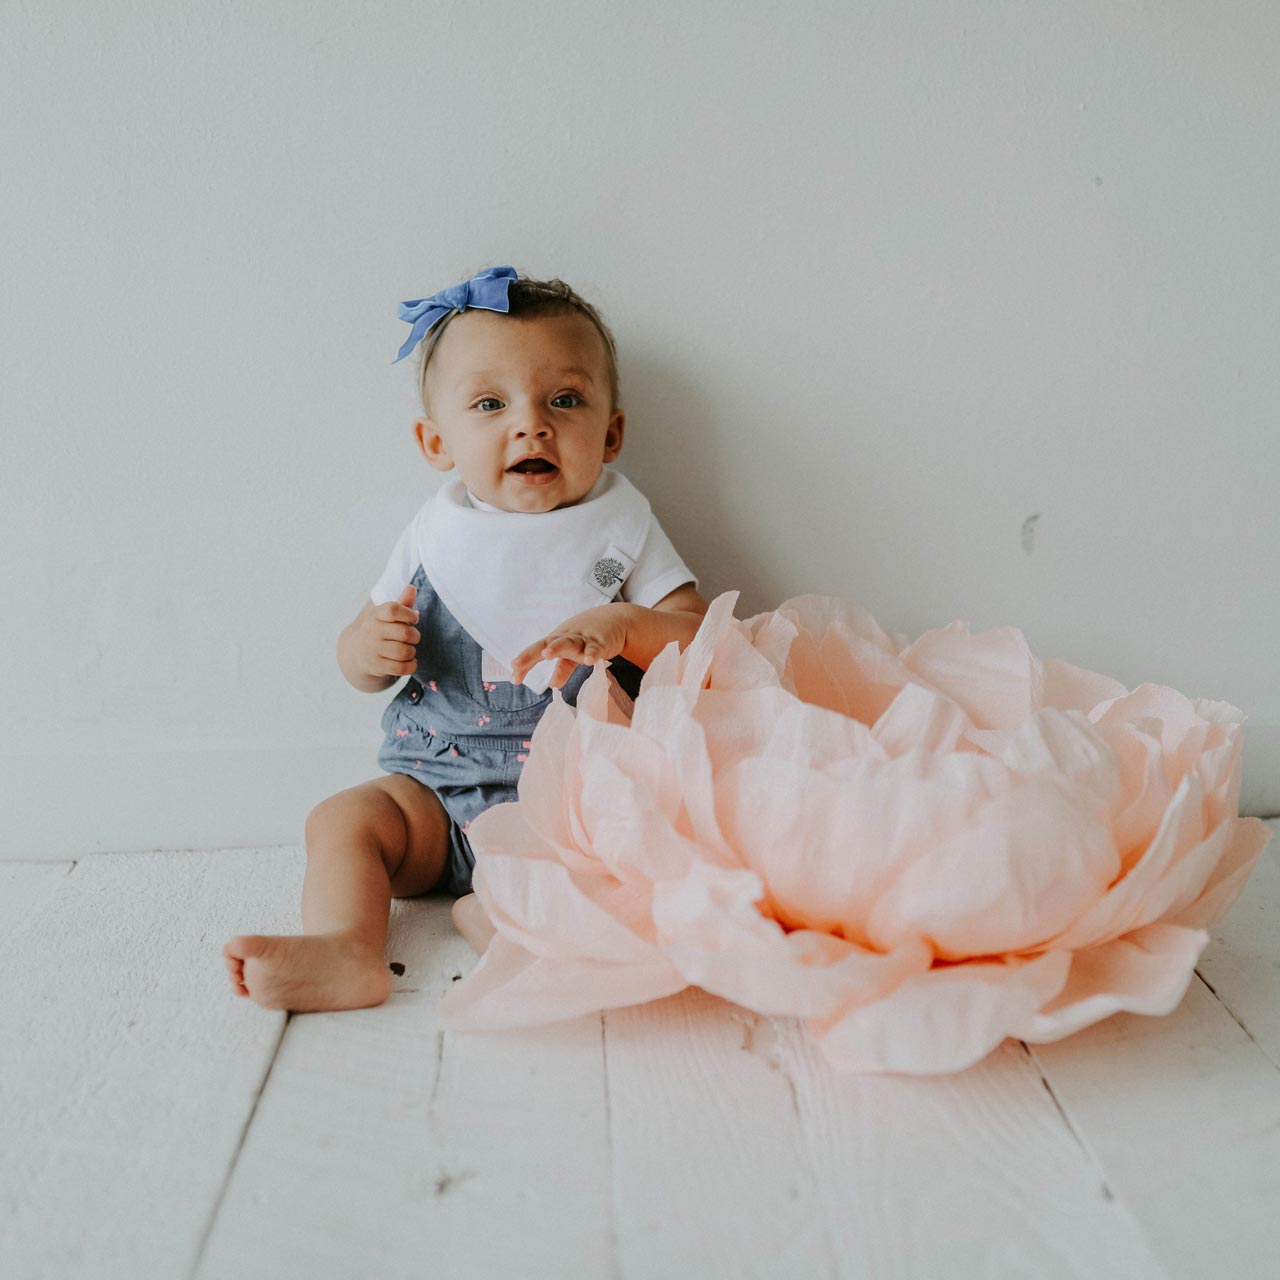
(500, 387)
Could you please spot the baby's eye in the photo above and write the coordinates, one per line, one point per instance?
(487, 400)
(568, 395)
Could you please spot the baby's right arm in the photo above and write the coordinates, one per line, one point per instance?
(377, 647)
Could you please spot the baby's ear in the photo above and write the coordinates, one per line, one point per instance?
(613, 436)
(431, 444)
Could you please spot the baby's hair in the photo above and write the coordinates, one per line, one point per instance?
(532, 298)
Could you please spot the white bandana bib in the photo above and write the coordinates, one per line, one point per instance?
(510, 577)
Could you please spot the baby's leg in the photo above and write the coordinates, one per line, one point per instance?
(386, 837)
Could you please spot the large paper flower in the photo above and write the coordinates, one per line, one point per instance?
(917, 849)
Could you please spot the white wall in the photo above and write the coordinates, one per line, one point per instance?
(888, 281)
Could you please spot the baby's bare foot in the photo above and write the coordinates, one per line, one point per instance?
(472, 921)
(306, 972)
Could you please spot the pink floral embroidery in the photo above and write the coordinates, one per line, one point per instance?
(522, 756)
(432, 683)
(432, 730)
(417, 764)
(402, 733)
(453, 751)
(526, 744)
(484, 720)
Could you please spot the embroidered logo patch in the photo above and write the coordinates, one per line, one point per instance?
(610, 571)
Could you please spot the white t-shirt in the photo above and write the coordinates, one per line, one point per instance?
(658, 571)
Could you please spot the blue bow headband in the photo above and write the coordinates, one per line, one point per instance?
(487, 291)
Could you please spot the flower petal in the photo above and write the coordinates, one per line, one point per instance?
(921, 719)
(1247, 840)
(630, 834)
(509, 987)
(1033, 859)
(944, 1019)
(710, 928)
(1146, 971)
(829, 846)
(1148, 887)
(553, 911)
(993, 675)
(1069, 687)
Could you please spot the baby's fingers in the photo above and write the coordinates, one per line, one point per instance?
(394, 659)
(562, 645)
(527, 658)
(394, 651)
(402, 631)
(564, 669)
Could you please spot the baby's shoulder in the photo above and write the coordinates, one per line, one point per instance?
(423, 513)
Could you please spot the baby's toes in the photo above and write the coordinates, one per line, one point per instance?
(235, 971)
(246, 946)
(242, 947)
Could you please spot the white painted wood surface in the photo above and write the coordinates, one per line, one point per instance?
(154, 1125)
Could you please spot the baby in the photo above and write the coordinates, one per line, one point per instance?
(532, 565)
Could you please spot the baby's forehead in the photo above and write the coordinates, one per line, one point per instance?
(487, 343)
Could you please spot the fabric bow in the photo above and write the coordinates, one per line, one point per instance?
(487, 291)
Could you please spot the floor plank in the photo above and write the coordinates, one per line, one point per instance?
(1182, 1112)
(1241, 966)
(383, 1146)
(971, 1174)
(129, 1071)
(709, 1175)
(682, 1137)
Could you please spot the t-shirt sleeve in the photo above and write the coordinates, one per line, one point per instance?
(401, 567)
(658, 572)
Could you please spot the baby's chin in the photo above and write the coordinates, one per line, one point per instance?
(520, 498)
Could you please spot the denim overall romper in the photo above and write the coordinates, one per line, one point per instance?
(463, 736)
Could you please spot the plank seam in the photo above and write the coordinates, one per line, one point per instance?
(1238, 1020)
(774, 1059)
(435, 1083)
(779, 1054)
(1107, 1192)
(235, 1155)
(1136, 1221)
(615, 1264)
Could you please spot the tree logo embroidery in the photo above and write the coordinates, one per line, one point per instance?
(608, 573)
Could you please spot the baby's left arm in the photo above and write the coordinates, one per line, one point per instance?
(637, 633)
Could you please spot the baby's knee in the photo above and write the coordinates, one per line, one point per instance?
(362, 808)
(330, 810)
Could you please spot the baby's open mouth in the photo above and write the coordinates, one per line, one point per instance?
(533, 464)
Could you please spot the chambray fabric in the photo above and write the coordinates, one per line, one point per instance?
(464, 737)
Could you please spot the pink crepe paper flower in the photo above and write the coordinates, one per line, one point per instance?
(917, 849)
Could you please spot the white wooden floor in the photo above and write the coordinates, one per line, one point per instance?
(154, 1125)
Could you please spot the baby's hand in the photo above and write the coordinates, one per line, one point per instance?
(592, 636)
(386, 638)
